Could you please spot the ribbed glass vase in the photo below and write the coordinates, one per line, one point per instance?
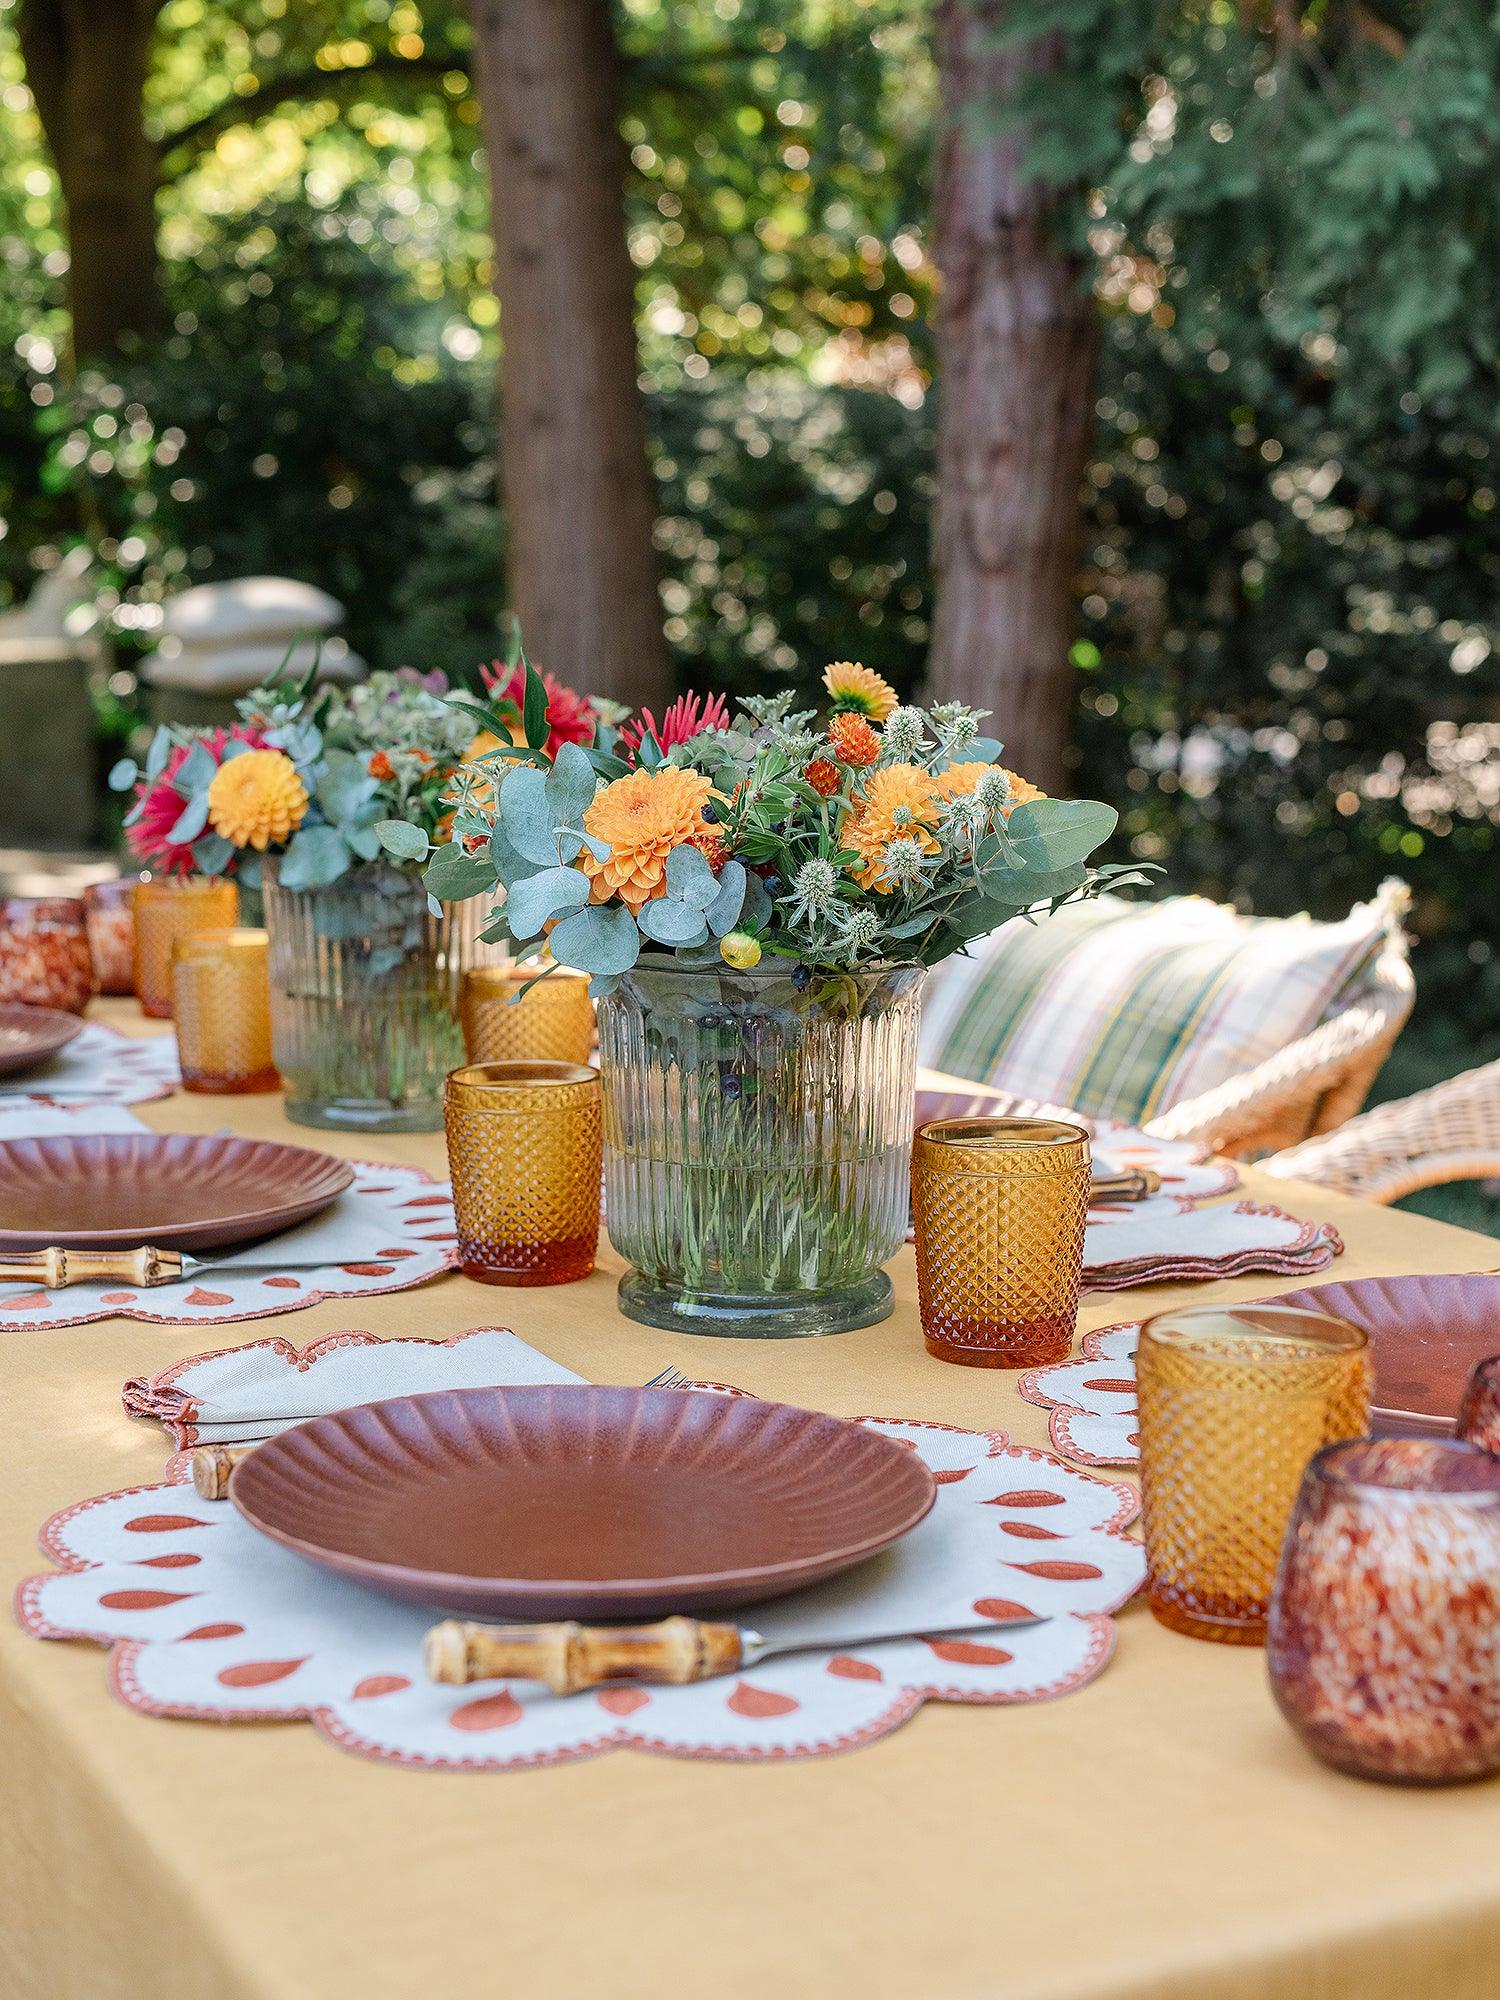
(757, 1140)
(364, 997)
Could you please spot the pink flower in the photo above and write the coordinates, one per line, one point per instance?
(689, 714)
(570, 716)
(161, 805)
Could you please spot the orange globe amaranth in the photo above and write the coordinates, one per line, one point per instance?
(642, 818)
(823, 776)
(853, 741)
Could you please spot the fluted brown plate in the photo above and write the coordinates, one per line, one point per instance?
(183, 1191)
(28, 1035)
(571, 1501)
(1425, 1334)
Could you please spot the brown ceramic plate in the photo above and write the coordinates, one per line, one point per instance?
(1425, 1335)
(28, 1035)
(580, 1502)
(106, 1191)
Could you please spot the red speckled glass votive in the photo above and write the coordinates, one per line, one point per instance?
(44, 953)
(1479, 1412)
(1384, 1633)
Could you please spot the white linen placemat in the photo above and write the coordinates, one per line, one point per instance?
(102, 1063)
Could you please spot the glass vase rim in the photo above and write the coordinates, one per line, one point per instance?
(1212, 1332)
(1331, 1468)
(1000, 1134)
(529, 1074)
(769, 966)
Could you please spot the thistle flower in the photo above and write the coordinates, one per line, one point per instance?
(902, 735)
(903, 863)
(994, 788)
(813, 888)
(859, 929)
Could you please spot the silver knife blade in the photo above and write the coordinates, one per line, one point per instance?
(756, 1646)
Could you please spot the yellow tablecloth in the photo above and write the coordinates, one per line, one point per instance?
(1160, 1835)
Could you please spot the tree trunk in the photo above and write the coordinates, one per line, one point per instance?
(577, 487)
(1015, 357)
(86, 63)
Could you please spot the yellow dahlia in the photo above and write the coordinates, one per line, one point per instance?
(856, 690)
(960, 779)
(897, 801)
(642, 817)
(257, 799)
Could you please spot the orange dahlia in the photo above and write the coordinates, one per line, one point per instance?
(642, 818)
(960, 779)
(257, 799)
(857, 690)
(899, 801)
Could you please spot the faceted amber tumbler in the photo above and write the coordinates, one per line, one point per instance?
(1233, 1404)
(221, 1000)
(168, 908)
(554, 1022)
(525, 1150)
(1000, 1206)
(1382, 1647)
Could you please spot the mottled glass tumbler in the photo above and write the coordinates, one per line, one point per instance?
(525, 1153)
(1479, 1412)
(221, 1001)
(1234, 1401)
(1000, 1206)
(553, 1022)
(111, 928)
(1384, 1638)
(44, 953)
(168, 907)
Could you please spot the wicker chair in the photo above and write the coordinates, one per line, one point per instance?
(1314, 1084)
(1448, 1133)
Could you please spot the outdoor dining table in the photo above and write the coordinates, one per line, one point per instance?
(1159, 1833)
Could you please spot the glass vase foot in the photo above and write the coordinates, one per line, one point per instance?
(758, 1315)
(360, 1115)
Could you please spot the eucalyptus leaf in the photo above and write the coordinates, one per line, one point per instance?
(235, 747)
(690, 880)
(671, 923)
(603, 984)
(983, 750)
(527, 821)
(454, 876)
(1054, 833)
(364, 840)
(344, 786)
(401, 838)
(570, 785)
(545, 895)
(191, 821)
(315, 856)
(196, 771)
(723, 913)
(599, 938)
(123, 774)
(211, 854)
(757, 908)
(160, 751)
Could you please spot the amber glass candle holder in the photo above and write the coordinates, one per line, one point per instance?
(553, 1022)
(168, 908)
(1384, 1638)
(110, 917)
(525, 1149)
(1000, 1206)
(221, 1000)
(44, 953)
(1233, 1404)
(1479, 1412)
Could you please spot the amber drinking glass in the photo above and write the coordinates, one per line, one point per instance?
(525, 1149)
(1000, 1206)
(1384, 1639)
(221, 1000)
(111, 930)
(554, 1022)
(168, 908)
(1233, 1404)
(1479, 1412)
(44, 953)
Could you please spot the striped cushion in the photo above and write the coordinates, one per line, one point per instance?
(1125, 1009)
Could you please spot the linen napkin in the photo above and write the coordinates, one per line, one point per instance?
(242, 1395)
(35, 1118)
(1161, 1239)
(102, 1063)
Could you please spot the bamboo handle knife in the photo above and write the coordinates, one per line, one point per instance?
(56, 1269)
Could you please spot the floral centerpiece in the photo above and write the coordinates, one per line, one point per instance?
(365, 968)
(757, 900)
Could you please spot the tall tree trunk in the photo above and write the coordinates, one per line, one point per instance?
(1015, 355)
(86, 63)
(577, 486)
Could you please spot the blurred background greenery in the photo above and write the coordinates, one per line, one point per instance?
(1284, 663)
